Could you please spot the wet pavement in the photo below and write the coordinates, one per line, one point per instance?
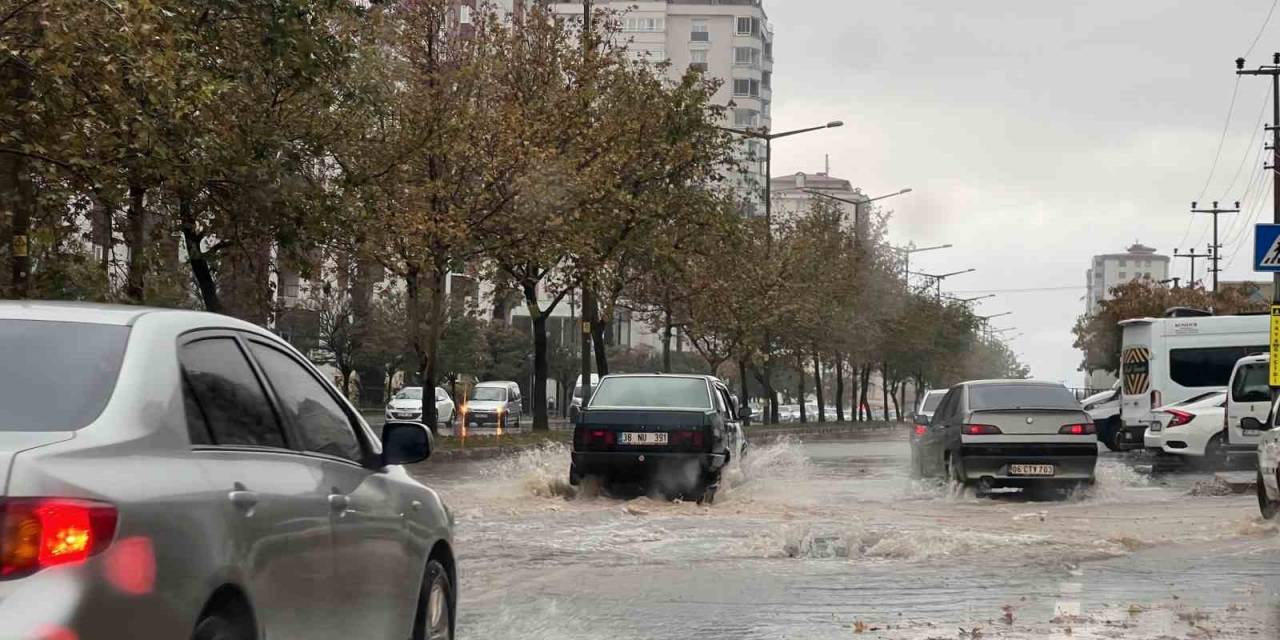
(833, 540)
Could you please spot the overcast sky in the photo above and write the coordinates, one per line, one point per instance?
(1035, 135)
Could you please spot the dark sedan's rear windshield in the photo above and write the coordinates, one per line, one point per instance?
(987, 397)
(652, 392)
(56, 376)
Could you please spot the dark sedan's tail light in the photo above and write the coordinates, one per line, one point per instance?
(1084, 429)
(37, 533)
(598, 437)
(687, 439)
(980, 430)
(921, 429)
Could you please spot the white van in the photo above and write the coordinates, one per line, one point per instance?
(1248, 396)
(1167, 360)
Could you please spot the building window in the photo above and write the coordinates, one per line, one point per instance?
(749, 87)
(1122, 264)
(1123, 275)
(746, 57)
(748, 26)
(766, 108)
(645, 55)
(698, 59)
(745, 117)
(464, 14)
(639, 24)
(768, 51)
(698, 32)
(1097, 275)
(766, 79)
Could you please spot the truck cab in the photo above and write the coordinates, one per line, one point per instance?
(1248, 396)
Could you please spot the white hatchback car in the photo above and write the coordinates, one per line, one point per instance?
(1192, 427)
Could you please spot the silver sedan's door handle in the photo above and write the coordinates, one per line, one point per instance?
(243, 500)
(339, 502)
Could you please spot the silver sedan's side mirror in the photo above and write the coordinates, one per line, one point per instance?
(405, 442)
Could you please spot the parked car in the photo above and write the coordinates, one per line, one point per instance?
(575, 403)
(406, 404)
(493, 405)
(1268, 480)
(925, 409)
(789, 413)
(1104, 409)
(1010, 433)
(669, 433)
(1191, 428)
(174, 474)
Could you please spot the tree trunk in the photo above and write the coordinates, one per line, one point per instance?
(817, 388)
(136, 238)
(16, 199)
(897, 406)
(742, 376)
(588, 302)
(666, 341)
(197, 260)
(839, 387)
(602, 356)
(434, 328)
(864, 395)
(884, 388)
(804, 414)
(540, 372)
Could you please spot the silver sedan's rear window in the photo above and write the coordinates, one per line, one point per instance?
(990, 397)
(654, 392)
(57, 376)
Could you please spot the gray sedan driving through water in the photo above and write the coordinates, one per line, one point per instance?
(1010, 433)
(171, 474)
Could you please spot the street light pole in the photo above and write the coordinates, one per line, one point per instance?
(1272, 70)
(859, 228)
(768, 138)
(938, 278)
(763, 134)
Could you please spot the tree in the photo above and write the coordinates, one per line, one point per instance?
(1098, 334)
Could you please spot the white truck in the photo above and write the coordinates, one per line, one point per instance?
(1167, 360)
(1249, 396)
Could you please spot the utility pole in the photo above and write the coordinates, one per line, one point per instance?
(1216, 247)
(1192, 255)
(588, 297)
(1272, 70)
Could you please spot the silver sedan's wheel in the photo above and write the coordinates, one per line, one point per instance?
(434, 619)
(1268, 507)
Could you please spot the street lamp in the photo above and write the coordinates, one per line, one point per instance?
(763, 134)
(912, 248)
(939, 277)
(998, 315)
(975, 299)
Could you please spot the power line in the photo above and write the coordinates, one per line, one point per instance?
(1262, 28)
(1221, 141)
(1026, 290)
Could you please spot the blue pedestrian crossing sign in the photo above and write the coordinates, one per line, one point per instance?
(1266, 247)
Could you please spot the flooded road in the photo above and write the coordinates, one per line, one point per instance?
(834, 540)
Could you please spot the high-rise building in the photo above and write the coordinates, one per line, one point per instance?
(730, 40)
(1138, 262)
(1111, 269)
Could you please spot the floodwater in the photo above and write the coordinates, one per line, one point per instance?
(834, 540)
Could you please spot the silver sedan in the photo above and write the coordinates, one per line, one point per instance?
(172, 474)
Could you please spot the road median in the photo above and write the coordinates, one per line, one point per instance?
(483, 447)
